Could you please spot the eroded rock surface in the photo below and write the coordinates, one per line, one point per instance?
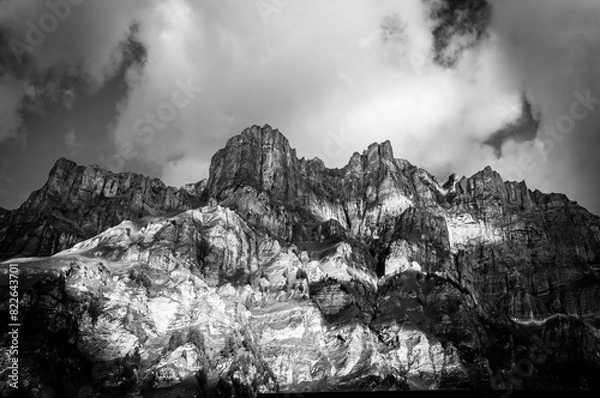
(284, 275)
(79, 202)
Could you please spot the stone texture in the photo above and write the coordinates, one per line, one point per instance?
(79, 202)
(289, 276)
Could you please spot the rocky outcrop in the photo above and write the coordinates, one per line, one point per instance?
(79, 202)
(259, 175)
(476, 229)
(288, 276)
(201, 298)
(524, 249)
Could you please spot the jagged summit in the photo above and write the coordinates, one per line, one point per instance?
(62, 163)
(267, 137)
(271, 139)
(383, 150)
(260, 133)
(78, 202)
(253, 142)
(256, 170)
(278, 274)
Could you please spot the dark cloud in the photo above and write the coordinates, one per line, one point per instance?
(443, 80)
(524, 128)
(459, 25)
(551, 49)
(392, 29)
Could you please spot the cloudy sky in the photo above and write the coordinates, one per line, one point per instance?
(157, 86)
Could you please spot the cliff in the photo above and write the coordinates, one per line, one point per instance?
(79, 202)
(279, 274)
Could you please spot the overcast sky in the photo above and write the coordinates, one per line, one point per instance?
(157, 86)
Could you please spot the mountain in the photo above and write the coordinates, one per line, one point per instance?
(280, 274)
(79, 202)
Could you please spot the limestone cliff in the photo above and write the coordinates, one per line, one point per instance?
(279, 274)
(79, 202)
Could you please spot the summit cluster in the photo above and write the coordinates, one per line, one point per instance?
(280, 274)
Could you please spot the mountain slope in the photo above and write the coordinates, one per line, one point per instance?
(79, 202)
(289, 276)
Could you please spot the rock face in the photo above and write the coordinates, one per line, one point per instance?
(79, 202)
(279, 274)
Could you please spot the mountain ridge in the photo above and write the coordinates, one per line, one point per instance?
(194, 194)
(278, 274)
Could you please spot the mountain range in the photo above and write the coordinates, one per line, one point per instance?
(278, 274)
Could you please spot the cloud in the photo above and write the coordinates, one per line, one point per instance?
(551, 49)
(72, 143)
(10, 101)
(454, 85)
(45, 43)
(70, 34)
(459, 25)
(362, 69)
(522, 129)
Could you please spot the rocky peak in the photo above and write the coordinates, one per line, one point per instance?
(265, 138)
(265, 135)
(380, 151)
(62, 174)
(61, 166)
(450, 184)
(297, 277)
(261, 157)
(78, 202)
(371, 158)
(258, 168)
(258, 157)
(484, 182)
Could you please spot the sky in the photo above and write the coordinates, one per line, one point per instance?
(158, 86)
